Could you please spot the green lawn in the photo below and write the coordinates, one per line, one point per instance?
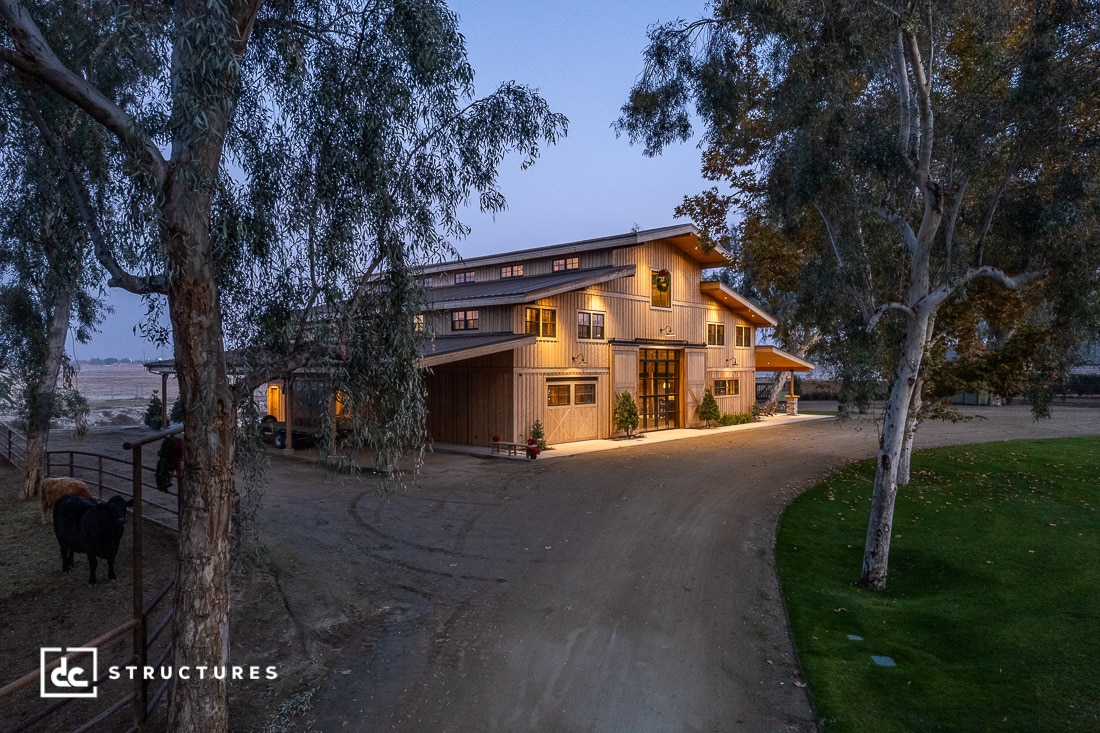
(992, 607)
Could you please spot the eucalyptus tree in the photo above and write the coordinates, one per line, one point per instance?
(944, 147)
(288, 165)
(52, 167)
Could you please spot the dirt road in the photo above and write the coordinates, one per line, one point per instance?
(631, 590)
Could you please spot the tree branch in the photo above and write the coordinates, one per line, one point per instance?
(34, 57)
(119, 278)
(996, 275)
(906, 231)
(924, 101)
(905, 100)
(881, 311)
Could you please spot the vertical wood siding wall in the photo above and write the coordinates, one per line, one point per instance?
(476, 387)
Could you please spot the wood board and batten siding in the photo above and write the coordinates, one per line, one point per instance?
(472, 400)
(693, 340)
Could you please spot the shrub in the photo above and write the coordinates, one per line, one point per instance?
(176, 413)
(153, 417)
(626, 414)
(708, 410)
(739, 418)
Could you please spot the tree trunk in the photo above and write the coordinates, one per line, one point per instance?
(777, 388)
(41, 397)
(203, 555)
(876, 552)
(911, 419)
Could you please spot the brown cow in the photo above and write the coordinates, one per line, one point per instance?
(53, 488)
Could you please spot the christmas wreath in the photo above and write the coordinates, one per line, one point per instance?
(664, 277)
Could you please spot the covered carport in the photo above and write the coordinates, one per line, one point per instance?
(773, 359)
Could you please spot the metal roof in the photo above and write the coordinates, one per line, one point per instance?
(683, 236)
(443, 349)
(515, 290)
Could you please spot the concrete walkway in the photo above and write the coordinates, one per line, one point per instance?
(582, 447)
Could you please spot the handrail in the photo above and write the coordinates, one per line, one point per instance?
(34, 675)
(161, 435)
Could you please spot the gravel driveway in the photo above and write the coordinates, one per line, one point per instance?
(630, 590)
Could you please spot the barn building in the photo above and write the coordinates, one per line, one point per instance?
(555, 333)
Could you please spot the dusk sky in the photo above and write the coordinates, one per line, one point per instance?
(583, 57)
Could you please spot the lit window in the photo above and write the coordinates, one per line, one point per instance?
(464, 320)
(584, 394)
(590, 325)
(716, 334)
(557, 395)
(744, 336)
(727, 387)
(661, 290)
(511, 271)
(565, 263)
(465, 277)
(418, 322)
(542, 322)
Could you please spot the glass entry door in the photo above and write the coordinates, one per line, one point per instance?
(658, 389)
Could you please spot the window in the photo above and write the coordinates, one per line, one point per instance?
(426, 281)
(744, 336)
(465, 277)
(511, 271)
(418, 322)
(585, 394)
(542, 322)
(716, 334)
(557, 395)
(464, 320)
(661, 291)
(589, 325)
(565, 263)
(727, 387)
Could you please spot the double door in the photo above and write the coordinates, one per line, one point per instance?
(659, 375)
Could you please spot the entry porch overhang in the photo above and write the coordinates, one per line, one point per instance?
(445, 349)
(771, 359)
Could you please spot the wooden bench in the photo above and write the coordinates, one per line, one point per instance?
(512, 449)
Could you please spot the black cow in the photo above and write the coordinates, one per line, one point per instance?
(85, 525)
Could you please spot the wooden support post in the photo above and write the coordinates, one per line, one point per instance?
(164, 400)
(140, 652)
(289, 396)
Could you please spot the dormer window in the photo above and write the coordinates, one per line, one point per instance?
(511, 271)
(565, 263)
(465, 277)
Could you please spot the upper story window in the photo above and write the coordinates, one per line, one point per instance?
(425, 282)
(744, 336)
(418, 322)
(661, 290)
(590, 325)
(511, 271)
(542, 322)
(467, 320)
(565, 263)
(716, 334)
(465, 277)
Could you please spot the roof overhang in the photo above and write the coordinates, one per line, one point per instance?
(456, 348)
(771, 359)
(684, 236)
(738, 303)
(536, 288)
